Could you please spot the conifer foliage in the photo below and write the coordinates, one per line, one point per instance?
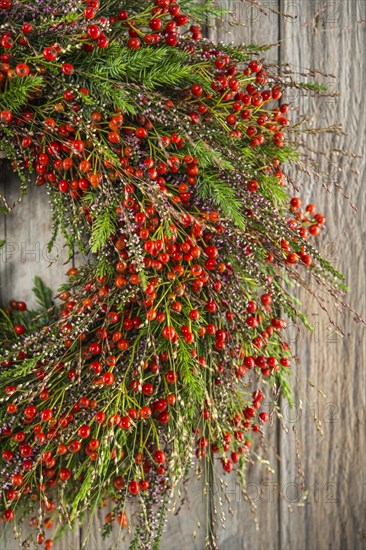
(165, 159)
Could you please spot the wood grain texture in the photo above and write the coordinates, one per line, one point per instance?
(315, 499)
(331, 38)
(27, 231)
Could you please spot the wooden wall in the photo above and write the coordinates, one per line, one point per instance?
(315, 498)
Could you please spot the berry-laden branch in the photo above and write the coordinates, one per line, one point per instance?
(165, 159)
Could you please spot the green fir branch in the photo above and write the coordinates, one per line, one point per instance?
(314, 87)
(18, 91)
(104, 225)
(224, 197)
(43, 294)
(199, 11)
(154, 67)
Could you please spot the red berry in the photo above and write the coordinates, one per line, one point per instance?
(295, 203)
(147, 388)
(133, 487)
(314, 230)
(255, 66)
(227, 465)
(122, 15)
(306, 259)
(22, 69)
(100, 417)
(17, 480)
(197, 89)
(159, 457)
(164, 417)
(311, 209)
(108, 378)
(194, 314)
(63, 186)
(181, 19)
(93, 31)
(125, 423)
(67, 68)
(84, 431)
(291, 258)
(46, 415)
(6, 116)
(155, 24)
(141, 133)
(50, 53)
(266, 299)
(7, 42)
(169, 333)
(134, 43)
(171, 377)
(144, 485)
(103, 42)
(252, 186)
(171, 40)
(89, 13)
(7, 456)
(8, 515)
(65, 474)
(27, 28)
(252, 322)
(30, 411)
(235, 457)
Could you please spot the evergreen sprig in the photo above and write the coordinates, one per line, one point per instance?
(43, 294)
(223, 196)
(104, 225)
(18, 91)
(154, 67)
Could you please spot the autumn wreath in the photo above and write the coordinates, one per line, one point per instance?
(165, 158)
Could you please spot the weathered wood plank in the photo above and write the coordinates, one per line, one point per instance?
(27, 230)
(330, 36)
